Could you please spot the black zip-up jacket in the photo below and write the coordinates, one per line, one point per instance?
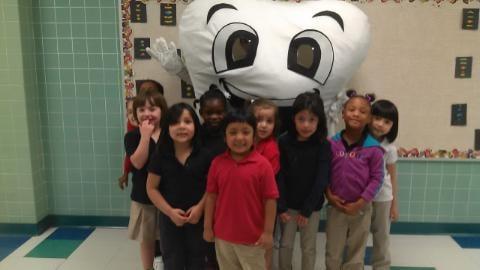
(304, 173)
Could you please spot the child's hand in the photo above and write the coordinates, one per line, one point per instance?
(178, 217)
(208, 235)
(265, 241)
(335, 200)
(123, 181)
(146, 128)
(194, 214)
(301, 221)
(285, 217)
(354, 208)
(394, 211)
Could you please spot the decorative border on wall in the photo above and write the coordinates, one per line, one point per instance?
(127, 48)
(441, 153)
(435, 2)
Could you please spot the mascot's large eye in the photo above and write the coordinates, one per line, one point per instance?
(311, 54)
(235, 46)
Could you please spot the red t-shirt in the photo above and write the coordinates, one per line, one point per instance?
(242, 188)
(269, 149)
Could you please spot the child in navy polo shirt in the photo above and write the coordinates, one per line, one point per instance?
(213, 107)
(176, 185)
(140, 143)
(132, 124)
(241, 198)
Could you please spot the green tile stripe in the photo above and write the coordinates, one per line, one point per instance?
(26, 229)
(56, 248)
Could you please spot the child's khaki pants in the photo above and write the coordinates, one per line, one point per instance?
(350, 233)
(232, 256)
(380, 229)
(308, 241)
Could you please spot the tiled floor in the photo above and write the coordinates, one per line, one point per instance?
(109, 249)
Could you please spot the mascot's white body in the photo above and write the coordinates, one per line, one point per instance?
(273, 49)
(337, 32)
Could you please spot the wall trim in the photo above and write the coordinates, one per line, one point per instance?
(62, 220)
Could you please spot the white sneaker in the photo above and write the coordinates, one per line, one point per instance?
(158, 263)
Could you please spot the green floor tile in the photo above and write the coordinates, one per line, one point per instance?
(54, 249)
(411, 268)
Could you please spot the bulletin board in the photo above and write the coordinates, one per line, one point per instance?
(143, 22)
(412, 61)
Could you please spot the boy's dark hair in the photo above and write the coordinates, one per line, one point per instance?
(157, 84)
(386, 109)
(312, 102)
(239, 116)
(154, 98)
(172, 117)
(267, 104)
(212, 93)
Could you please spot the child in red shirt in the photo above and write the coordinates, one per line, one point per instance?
(241, 189)
(266, 114)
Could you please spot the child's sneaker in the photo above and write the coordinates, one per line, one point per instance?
(158, 263)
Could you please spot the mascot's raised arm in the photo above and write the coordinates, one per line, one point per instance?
(269, 49)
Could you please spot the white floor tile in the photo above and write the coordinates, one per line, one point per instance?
(109, 249)
(16, 259)
(96, 252)
(31, 263)
(474, 256)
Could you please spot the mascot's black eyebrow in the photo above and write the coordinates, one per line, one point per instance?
(332, 15)
(216, 8)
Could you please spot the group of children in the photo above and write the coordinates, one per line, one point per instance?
(232, 182)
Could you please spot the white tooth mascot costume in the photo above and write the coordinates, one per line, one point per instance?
(270, 49)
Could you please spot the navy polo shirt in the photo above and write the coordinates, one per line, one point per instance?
(182, 185)
(139, 176)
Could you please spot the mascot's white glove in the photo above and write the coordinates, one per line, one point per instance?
(334, 111)
(169, 59)
(166, 55)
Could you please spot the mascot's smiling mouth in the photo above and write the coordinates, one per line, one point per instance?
(237, 94)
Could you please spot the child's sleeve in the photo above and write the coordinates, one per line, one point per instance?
(322, 179)
(281, 202)
(154, 165)
(127, 164)
(272, 154)
(212, 183)
(270, 190)
(391, 156)
(131, 141)
(376, 175)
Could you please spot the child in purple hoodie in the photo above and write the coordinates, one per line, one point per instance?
(356, 176)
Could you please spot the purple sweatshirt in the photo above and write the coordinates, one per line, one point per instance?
(356, 172)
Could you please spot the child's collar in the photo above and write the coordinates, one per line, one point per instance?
(250, 157)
